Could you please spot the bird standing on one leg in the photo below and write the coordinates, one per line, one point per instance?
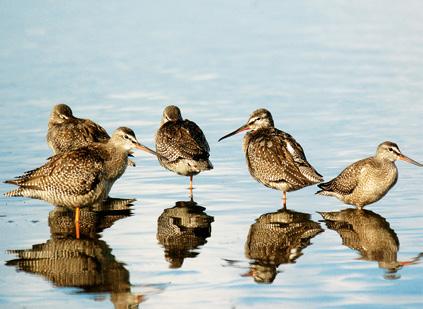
(81, 177)
(181, 145)
(274, 157)
(368, 180)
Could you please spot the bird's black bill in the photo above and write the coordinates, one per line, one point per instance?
(243, 128)
(409, 160)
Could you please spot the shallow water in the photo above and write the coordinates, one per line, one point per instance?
(341, 77)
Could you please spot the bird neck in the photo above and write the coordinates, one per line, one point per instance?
(117, 162)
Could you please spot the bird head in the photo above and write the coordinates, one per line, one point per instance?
(390, 151)
(124, 137)
(60, 114)
(171, 113)
(260, 118)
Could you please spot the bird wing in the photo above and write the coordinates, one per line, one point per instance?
(75, 133)
(197, 134)
(92, 131)
(181, 140)
(298, 155)
(347, 180)
(71, 173)
(270, 160)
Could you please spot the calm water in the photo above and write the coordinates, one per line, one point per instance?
(340, 76)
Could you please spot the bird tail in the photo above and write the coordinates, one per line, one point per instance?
(16, 192)
(209, 165)
(331, 216)
(204, 165)
(12, 181)
(26, 191)
(326, 191)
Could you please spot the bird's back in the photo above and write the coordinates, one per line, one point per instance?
(363, 182)
(66, 179)
(275, 157)
(182, 147)
(75, 133)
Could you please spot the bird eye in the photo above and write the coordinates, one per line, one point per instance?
(126, 136)
(390, 149)
(254, 120)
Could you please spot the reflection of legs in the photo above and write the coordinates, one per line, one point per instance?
(77, 214)
(190, 187)
(284, 200)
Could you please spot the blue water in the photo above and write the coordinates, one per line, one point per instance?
(340, 76)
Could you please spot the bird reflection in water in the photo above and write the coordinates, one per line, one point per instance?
(182, 229)
(86, 263)
(370, 234)
(278, 238)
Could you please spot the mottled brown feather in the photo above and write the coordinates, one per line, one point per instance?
(348, 179)
(60, 169)
(270, 160)
(181, 140)
(74, 133)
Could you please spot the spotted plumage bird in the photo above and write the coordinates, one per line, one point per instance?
(87, 263)
(67, 132)
(181, 230)
(278, 238)
(81, 177)
(181, 145)
(368, 180)
(370, 234)
(274, 157)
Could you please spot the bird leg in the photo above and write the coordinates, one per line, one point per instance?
(284, 200)
(190, 183)
(190, 187)
(77, 215)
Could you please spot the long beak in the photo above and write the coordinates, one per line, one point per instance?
(243, 128)
(145, 148)
(407, 159)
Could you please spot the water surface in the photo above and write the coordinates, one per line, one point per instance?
(341, 77)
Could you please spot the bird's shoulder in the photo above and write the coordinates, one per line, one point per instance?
(182, 137)
(92, 131)
(72, 172)
(276, 143)
(90, 158)
(269, 158)
(348, 179)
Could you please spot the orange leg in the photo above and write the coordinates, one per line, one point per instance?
(77, 215)
(284, 200)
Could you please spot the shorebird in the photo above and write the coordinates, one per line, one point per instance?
(277, 238)
(181, 230)
(67, 132)
(274, 157)
(181, 145)
(87, 263)
(81, 177)
(368, 180)
(370, 234)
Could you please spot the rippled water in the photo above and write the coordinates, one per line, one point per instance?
(339, 76)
